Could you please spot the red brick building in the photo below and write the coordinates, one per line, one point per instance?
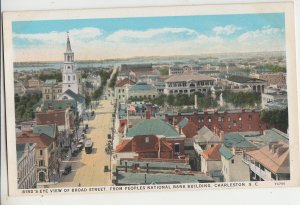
(227, 121)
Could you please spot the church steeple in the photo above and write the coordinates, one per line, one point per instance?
(69, 49)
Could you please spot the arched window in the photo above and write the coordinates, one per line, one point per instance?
(73, 77)
(69, 58)
(69, 78)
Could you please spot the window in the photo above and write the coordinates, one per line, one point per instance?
(234, 122)
(232, 161)
(177, 147)
(73, 77)
(240, 117)
(41, 163)
(250, 126)
(250, 117)
(228, 118)
(209, 119)
(201, 119)
(229, 127)
(68, 67)
(69, 86)
(219, 119)
(147, 139)
(41, 152)
(273, 176)
(69, 78)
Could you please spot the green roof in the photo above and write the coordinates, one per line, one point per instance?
(153, 127)
(59, 104)
(242, 79)
(141, 87)
(183, 122)
(77, 97)
(237, 140)
(225, 152)
(48, 130)
(21, 148)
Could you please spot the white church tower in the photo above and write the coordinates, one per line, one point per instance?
(71, 79)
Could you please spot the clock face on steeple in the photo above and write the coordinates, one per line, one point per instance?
(70, 77)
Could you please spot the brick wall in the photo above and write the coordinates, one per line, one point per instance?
(228, 122)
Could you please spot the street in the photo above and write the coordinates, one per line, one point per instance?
(88, 169)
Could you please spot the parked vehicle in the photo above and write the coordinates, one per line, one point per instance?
(88, 146)
(67, 170)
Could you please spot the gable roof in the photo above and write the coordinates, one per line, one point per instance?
(48, 130)
(275, 157)
(212, 154)
(124, 82)
(183, 122)
(56, 105)
(152, 127)
(41, 140)
(237, 140)
(205, 135)
(79, 98)
(51, 117)
(225, 152)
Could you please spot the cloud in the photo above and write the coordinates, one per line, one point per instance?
(260, 34)
(54, 37)
(225, 30)
(125, 35)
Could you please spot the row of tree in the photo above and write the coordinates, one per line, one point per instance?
(24, 106)
(241, 99)
(104, 75)
(273, 68)
(56, 75)
(277, 118)
(113, 80)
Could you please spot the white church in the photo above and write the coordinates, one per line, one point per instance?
(71, 80)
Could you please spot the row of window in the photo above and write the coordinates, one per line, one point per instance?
(52, 90)
(222, 119)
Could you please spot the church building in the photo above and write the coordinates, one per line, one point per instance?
(72, 82)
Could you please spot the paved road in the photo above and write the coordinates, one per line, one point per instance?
(88, 169)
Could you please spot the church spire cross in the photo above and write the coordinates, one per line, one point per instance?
(69, 49)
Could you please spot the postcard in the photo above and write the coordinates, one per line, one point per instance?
(151, 99)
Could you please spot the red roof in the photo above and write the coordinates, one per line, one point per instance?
(124, 82)
(51, 117)
(190, 130)
(41, 140)
(212, 154)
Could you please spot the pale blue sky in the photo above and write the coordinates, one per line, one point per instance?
(128, 37)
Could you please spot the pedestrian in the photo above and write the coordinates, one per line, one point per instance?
(79, 184)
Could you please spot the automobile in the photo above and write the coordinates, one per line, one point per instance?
(93, 112)
(67, 170)
(86, 126)
(79, 146)
(106, 169)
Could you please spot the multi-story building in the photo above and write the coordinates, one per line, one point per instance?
(121, 89)
(34, 83)
(45, 155)
(256, 85)
(233, 167)
(19, 88)
(211, 159)
(51, 90)
(269, 163)
(152, 138)
(26, 165)
(142, 91)
(180, 69)
(274, 99)
(278, 79)
(227, 121)
(188, 83)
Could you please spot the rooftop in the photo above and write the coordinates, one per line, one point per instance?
(48, 130)
(205, 135)
(237, 140)
(127, 178)
(77, 97)
(225, 152)
(188, 77)
(21, 148)
(275, 157)
(153, 127)
(141, 86)
(212, 154)
(243, 79)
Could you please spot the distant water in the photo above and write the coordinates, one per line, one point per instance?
(36, 66)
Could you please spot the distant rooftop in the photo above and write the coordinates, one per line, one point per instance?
(141, 86)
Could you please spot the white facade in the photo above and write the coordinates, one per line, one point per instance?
(234, 169)
(26, 166)
(188, 84)
(71, 79)
(210, 165)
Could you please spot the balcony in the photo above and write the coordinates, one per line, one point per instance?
(257, 170)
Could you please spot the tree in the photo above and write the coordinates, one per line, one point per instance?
(171, 100)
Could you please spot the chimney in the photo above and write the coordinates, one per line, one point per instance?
(222, 135)
(148, 114)
(281, 150)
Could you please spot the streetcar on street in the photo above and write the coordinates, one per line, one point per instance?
(88, 146)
